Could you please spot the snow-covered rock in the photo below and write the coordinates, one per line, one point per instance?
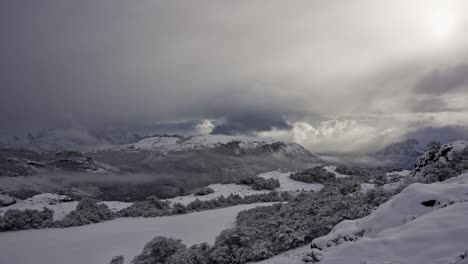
(444, 154)
(6, 200)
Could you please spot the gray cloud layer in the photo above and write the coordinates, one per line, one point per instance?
(119, 62)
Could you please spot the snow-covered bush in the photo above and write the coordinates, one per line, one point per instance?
(27, 219)
(315, 255)
(266, 231)
(441, 162)
(233, 246)
(87, 212)
(259, 183)
(316, 174)
(204, 191)
(159, 250)
(235, 199)
(351, 170)
(265, 184)
(178, 208)
(151, 207)
(117, 260)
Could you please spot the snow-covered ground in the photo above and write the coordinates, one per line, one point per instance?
(403, 230)
(98, 243)
(286, 184)
(60, 204)
(402, 173)
(332, 169)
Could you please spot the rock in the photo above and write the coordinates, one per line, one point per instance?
(6, 200)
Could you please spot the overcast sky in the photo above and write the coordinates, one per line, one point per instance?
(321, 73)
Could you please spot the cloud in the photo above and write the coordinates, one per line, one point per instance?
(231, 63)
(443, 81)
(443, 134)
(335, 136)
(250, 123)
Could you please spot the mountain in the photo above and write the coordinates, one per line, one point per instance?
(165, 166)
(164, 145)
(55, 140)
(177, 164)
(21, 162)
(401, 154)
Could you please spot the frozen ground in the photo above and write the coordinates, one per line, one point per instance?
(286, 184)
(98, 243)
(402, 231)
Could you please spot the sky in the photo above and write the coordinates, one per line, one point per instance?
(331, 75)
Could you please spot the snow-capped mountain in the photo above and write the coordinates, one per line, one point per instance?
(166, 144)
(400, 154)
(21, 162)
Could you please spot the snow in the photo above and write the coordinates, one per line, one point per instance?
(286, 184)
(402, 230)
(332, 169)
(60, 204)
(365, 187)
(403, 173)
(98, 243)
(6, 200)
(163, 145)
(437, 237)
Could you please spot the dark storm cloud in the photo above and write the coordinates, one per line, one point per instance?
(128, 63)
(429, 105)
(250, 123)
(443, 134)
(443, 81)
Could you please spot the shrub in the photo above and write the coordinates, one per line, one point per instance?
(204, 191)
(151, 207)
(27, 219)
(265, 184)
(87, 212)
(159, 250)
(259, 183)
(117, 260)
(316, 174)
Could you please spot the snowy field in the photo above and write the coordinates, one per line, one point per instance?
(60, 204)
(98, 243)
(402, 231)
(286, 184)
